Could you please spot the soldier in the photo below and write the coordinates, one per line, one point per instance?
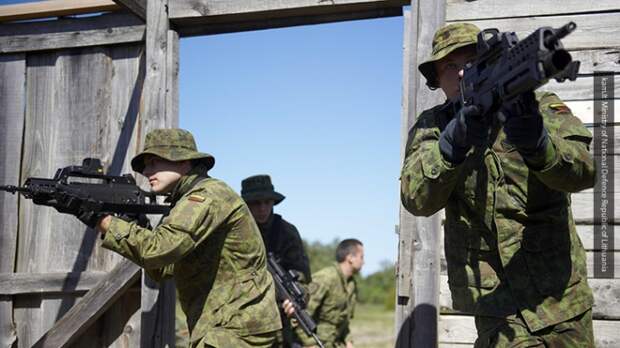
(333, 294)
(514, 258)
(209, 243)
(281, 237)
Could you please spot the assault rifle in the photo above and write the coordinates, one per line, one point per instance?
(103, 195)
(288, 289)
(505, 68)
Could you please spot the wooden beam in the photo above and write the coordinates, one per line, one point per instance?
(484, 9)
(137, 7)
(419, 328)
(201, 17)
(67, 33)
(54, 8)
(160, 111)
(31, 283)
(91, 306)
(12, 101)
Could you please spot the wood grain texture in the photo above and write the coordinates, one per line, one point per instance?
(67, 33)
(482, 9)
(137, 7)
(51, 282)
(79, 318)
(594, 31)
(419, 327)
(12, 86)
(54, 8)
(461, 329)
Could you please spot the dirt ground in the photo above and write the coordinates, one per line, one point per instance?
(373, 327)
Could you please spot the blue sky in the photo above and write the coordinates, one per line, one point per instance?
(316, 107)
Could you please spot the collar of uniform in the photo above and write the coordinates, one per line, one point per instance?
(343, 280)
(187, 181)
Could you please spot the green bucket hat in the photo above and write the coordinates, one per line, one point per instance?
(172, 145)
(446, 40)
(259, 187)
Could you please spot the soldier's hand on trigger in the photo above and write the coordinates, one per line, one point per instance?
(524, 128)
(289, 309)
(465, 130)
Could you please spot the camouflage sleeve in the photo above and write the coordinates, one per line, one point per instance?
(195, 216)
(317, 293)
(294, 255)
(566, 164)
(427, 179)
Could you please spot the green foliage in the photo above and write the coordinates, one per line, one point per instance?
(321, 255)
(377, 288)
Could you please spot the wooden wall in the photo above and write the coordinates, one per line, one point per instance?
(596, 43)
(57, 107)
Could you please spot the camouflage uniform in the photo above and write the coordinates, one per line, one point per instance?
(281, 238)
(211, 246)
(331, 305)
(510, 240)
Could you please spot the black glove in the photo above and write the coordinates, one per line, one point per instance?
(524, 125)
(468, 128)
(89, 218)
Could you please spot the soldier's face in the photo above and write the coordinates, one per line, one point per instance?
(450, 70)
(261, 209)
(163, 174)
(357, 259)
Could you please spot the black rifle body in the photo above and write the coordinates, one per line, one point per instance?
(287, 288)
(107, 194)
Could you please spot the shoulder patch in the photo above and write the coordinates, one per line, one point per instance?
(559, 107)
(196, 198)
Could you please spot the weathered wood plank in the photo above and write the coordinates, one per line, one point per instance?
(193, 27)
(483, 9)
(419, 328)
(583, 207)
(29, 283)
(157, 325)
(580, 89)
(204, 17)
(137, 7)
(586, 234)
(92, 305)
(461, 329)
(54, 8)
(12, 82)
(606, 298)
(584, 110)
(67, 33)
(594, 31)
(257, 9)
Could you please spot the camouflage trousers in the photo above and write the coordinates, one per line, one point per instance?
(512, 332)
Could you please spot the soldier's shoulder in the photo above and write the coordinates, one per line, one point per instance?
(326, 275)
(287, 226)
(216, 190)
(429, 118)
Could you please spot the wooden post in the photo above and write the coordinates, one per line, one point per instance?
(419, 238)
(13, 72)
(160, 111)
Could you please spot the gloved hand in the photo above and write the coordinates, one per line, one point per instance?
(524, 125)
(89, 218)
(465, 130)
(140, 219)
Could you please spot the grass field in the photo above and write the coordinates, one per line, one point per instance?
(373, 327)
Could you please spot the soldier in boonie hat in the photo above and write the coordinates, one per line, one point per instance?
(172, 145)
(281, 238)
(259, 187)
(447, 39)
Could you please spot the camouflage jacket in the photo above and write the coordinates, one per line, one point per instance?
(510, 239)
(282, 239)
(331, 305)
(211, 245)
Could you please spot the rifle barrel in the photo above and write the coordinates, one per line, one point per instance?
(12, 188)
